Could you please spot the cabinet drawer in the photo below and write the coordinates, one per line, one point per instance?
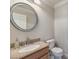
(44, 57)
(38, 54)
(42, 52)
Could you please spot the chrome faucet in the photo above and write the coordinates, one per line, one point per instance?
(27, 40)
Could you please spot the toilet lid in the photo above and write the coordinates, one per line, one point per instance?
(57, 50)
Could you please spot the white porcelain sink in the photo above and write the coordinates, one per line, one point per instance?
(29, 48)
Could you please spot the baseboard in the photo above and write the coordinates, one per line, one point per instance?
(66, 56)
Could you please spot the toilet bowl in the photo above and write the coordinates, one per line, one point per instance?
(56, 51)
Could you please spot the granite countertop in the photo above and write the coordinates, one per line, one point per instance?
(14, 54)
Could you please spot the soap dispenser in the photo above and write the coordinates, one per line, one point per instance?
(16, 43)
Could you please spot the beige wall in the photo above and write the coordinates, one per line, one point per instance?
(61, 26)
(44, 29)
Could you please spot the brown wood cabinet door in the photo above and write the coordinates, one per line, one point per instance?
(44, 57)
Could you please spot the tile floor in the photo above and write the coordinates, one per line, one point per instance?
(52, 57)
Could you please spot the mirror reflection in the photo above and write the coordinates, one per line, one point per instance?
(23, 17)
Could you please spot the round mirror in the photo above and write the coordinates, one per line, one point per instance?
(23, 17)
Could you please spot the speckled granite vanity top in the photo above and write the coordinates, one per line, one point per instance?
(16, 55)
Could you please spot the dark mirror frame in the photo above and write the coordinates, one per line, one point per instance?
(13, 22)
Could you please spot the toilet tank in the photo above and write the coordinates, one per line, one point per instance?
(51, 43)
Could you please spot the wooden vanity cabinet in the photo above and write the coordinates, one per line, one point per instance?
(44, 57)
(41, 54)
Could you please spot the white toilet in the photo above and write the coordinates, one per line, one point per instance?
(56, 51)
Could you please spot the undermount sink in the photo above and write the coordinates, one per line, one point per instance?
(29, 48)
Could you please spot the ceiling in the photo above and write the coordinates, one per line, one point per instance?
(49, 2)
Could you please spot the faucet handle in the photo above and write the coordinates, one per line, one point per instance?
(22, 43)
